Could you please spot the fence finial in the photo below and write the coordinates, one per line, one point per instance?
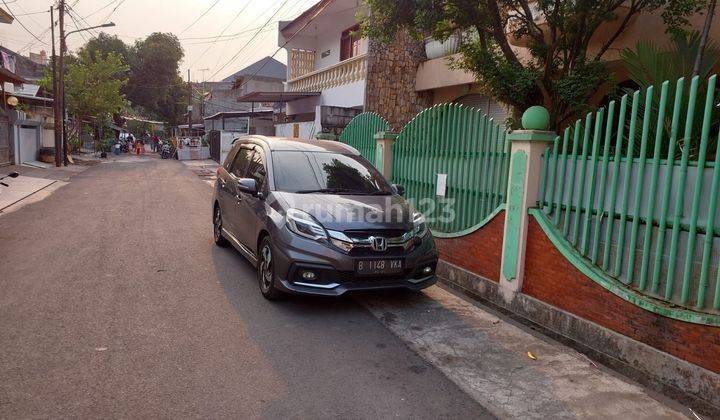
(536, 118)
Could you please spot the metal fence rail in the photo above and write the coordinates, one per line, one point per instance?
(468, 147)
(360, 133)
(622, 188)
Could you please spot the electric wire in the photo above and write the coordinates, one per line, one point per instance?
(222, 33)
(21, 24)
(200, 17)
(251, 40)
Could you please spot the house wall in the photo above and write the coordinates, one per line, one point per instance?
(324, 34)
(302, 106)
(391, 78)
(479, 252)
(351, 95)
(551, 278)
(306, 130)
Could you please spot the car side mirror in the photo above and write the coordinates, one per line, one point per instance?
(248, 186)
(398, 189)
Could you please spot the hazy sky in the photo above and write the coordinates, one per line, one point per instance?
(139, 18)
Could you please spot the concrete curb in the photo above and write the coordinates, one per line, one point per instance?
(692, 385)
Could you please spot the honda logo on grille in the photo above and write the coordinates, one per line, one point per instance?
(378, 243)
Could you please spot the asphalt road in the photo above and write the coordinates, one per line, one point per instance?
(115, 302)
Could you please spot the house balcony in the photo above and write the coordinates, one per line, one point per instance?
(438, 49)
(604, 31)
(345, 72)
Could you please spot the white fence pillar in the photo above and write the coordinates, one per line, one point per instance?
(527, 147)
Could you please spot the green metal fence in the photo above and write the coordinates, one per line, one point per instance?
(360, 133)
(634, 189)
(466, 146)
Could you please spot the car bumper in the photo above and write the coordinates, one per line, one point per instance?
(336, 270)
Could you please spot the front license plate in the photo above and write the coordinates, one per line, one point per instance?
(374, 267)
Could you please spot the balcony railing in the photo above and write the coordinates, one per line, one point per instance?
(342, 73)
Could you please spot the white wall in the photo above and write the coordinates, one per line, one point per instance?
(307, 130)
(48, 138)
(347, 96)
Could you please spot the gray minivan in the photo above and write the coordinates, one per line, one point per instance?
(315, 217)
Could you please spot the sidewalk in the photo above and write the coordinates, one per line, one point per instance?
(35, 182)
(511, 371)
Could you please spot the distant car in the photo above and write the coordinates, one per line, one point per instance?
(317, 218)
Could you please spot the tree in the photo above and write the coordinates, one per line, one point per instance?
(93, 88)
(105, 44)
(559, 71)
(93, 85)
(154, 76)
(705, 34)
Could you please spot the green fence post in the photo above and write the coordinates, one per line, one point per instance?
(384, 153)
(527, 147)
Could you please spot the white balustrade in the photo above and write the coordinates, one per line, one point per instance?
(342, 73)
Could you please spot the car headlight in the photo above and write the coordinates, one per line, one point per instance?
(420, 228)
(304, 225)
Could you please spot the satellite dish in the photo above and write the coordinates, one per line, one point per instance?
(12, 101)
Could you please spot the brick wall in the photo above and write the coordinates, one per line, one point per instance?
(551, 278)
(392, 69)
(480, 252)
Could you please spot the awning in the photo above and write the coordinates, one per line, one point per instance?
(10, 77)
(276, 96)
(5, 17)
(235, 114)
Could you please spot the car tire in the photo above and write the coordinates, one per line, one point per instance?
(217, 229)
(266, 273)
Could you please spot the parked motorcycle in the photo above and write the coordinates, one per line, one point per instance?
(165, 151)
(10, 175)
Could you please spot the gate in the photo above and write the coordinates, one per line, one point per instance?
(360, 133)
(453, 162)
(214, 141)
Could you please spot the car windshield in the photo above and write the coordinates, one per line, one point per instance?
(326, 172)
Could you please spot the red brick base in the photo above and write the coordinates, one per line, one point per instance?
(479, 252)
(551, 278)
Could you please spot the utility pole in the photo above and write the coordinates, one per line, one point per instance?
(202, 94)
(61, 77)
(57, 110)
(190, 105)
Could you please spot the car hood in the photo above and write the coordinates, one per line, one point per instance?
(352, 212)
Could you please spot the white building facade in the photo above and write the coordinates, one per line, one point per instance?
(327, 58)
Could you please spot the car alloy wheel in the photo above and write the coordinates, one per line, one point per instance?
(266, 268)
(217, 228)
(265, 271)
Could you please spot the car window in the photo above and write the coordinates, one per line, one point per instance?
(240, 163)
(312, 171)
(256, 169)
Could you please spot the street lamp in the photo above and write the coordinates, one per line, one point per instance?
(61, 83)
(104, 25)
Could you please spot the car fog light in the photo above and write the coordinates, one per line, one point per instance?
(309, 275)
(427, 270)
